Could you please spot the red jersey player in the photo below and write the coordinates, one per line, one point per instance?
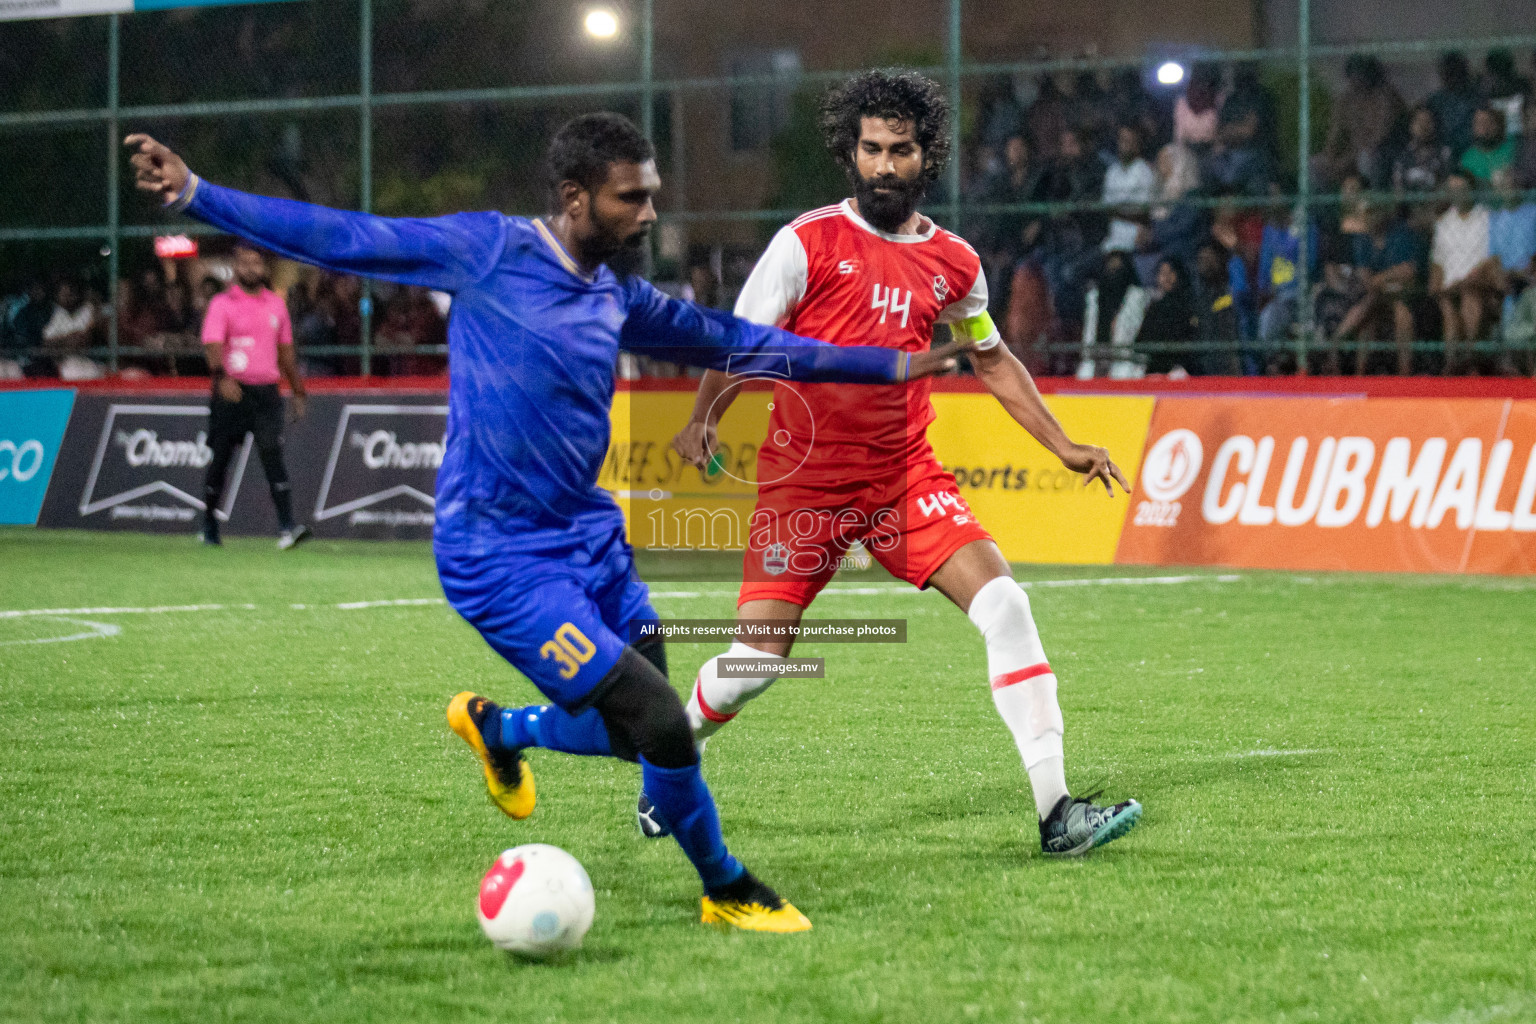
(853, 463)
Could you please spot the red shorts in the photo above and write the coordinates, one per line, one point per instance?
(911, 524)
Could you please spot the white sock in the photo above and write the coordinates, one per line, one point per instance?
(1023, 686)
(716, 701)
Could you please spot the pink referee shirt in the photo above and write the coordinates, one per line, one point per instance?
(250, 327)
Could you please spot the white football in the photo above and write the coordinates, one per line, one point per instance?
(536, 901)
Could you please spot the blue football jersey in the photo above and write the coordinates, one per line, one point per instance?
(532, 343)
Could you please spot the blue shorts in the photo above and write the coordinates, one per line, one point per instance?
(561, 616)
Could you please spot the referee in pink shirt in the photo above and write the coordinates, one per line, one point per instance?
(248, 339)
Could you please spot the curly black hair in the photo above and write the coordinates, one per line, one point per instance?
(888, 93)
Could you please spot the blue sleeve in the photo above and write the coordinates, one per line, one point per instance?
(682, 332)
(446, 253)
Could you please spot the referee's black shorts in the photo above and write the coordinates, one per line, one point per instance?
(259, 412)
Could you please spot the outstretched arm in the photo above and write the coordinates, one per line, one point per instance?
(771, 292)
(1011, 384)
(447, 253)
(682, 332)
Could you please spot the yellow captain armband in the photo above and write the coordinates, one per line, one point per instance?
(977, 329)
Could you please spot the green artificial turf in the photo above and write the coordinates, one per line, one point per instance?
(259, 814)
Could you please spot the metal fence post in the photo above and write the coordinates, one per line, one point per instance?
(1304, 183)
(365, 164)
(648, 68)
(114, 215)
(648, 100)
(953, 62)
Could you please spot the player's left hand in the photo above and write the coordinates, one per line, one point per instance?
(1095, 464)
(937, 360)
(298, 405)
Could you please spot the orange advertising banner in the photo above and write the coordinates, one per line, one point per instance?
(1390, 485)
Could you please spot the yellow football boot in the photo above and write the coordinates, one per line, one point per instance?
(507, 775)
(753, 907)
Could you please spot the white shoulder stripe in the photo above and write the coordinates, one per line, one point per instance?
(818, 214)
(956, 238)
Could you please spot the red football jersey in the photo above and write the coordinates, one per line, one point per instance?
(831, 275)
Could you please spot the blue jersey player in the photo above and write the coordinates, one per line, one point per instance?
(529, 550)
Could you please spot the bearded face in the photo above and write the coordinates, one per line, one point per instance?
(888, 201)
(888, 172)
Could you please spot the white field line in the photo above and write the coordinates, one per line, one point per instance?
(1278, 753)
(1484, 1014)
(97, 629)
(901, 588)
(153, 610)
(412, 602)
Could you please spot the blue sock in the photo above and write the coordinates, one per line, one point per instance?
(684, 802)
(548, 727)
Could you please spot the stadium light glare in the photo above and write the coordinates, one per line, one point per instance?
(1170, 73)
(601, 23)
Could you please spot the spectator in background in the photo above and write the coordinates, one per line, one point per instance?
(207, 287)
(411, 321)
(1070, 246)
(311, 310)
(11, 352)
(1216, 320)
(179, 321)
(1354, 208)
(1454, 103)
(68, 333)
(1365, 119)
(1242, 160)
(1512, 244)
(1177, 225)
(344, 297)
(1241, 233)
(1337, 291)
(1197, 113)
(1386, 266)
(176, 334)
(1006, 238)
(1046, 120)
(1170, 316)
(1001, 114)
(1505, 89)
(1130, 185)
(1090, 116)
(1279, 295)
(1076, 175)
(1492, 148)
(706, 288)
(1463, 276)
(1525, 163)
(25, 317)
(1127, 102)
(137, 317)
(1115, 304)
(1425, 161)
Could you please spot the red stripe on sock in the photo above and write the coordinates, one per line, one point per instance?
(709, 712)
(1009, 678)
